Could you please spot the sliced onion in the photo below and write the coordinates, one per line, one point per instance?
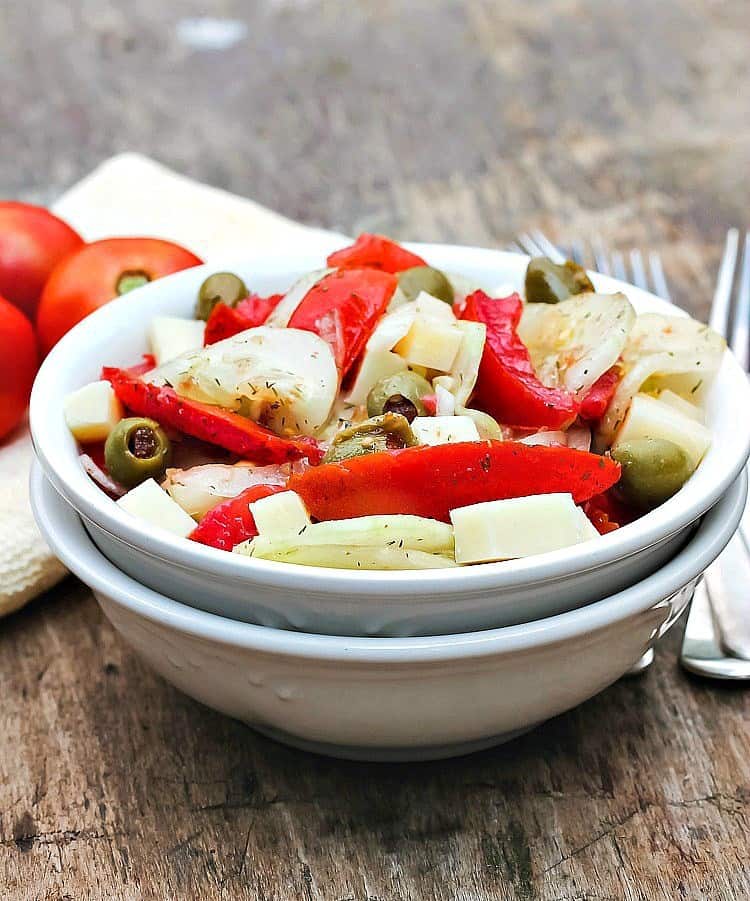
(546, 439)
(200, 488)
(667, 351)
(102, 479)
(574, 342)
(291, 300)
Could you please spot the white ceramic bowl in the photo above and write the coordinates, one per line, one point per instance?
(389, 698)
(336, 601)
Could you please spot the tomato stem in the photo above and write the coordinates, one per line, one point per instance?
(130, 280)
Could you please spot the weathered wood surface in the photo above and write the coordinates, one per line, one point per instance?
(455, 121)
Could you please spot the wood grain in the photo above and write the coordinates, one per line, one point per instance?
(460, 121)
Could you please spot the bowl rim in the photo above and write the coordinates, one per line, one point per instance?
(80, 491)
(63, 529)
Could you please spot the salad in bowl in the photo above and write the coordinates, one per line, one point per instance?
(384, 414)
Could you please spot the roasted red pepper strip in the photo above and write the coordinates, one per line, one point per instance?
(508, 387)
(595, 404)
(146, 365)
(375, 252)
(607, 513)
(432, 481)
(344, 308)
(231, 522)
(221, 427)
(226, 321)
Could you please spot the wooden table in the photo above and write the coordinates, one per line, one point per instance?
(436, 120)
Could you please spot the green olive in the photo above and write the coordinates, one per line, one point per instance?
(653, 469)
(381, 433)
(400, 393)
(137, 449)
(486, 425)
(548, 282)
(424, 278)
(221, 287)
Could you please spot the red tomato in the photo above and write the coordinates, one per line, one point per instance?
(32, 242)
(18, 364)
(99, 272)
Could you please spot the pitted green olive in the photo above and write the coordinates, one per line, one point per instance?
(486, 425)
(221, 287)
(548, 282)
(137, 449)
(424, 278)
(653, 469)
(381, 433)
(400, 393)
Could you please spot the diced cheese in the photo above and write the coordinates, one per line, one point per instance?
(651, 418)
(377, 365)
(428, 305)
(92, 412)
(170, 337)
(679, 403)
(147, 501)
(279, 515)
(430, 342)
(444, 429)
(518, 527)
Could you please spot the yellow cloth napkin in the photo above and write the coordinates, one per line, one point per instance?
(130, 195)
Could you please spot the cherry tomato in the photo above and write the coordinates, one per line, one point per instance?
(98, 273)
(19, 358)
(32, 242)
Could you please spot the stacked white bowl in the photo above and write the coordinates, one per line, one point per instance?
(377, 665)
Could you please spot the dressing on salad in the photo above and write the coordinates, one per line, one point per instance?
(383, 414)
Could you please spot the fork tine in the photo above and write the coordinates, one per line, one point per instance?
(639, 271)
(530, 245)
(546, 246)
(720, 304)
(618, 266)
(515, 248)
(601, 259)
(657, 275)
(740, 339)
(577, 252)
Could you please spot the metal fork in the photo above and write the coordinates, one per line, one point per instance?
(628, 268)
(717, 634)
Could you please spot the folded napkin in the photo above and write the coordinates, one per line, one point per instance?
(130, 195)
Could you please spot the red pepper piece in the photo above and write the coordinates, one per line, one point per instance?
(508, 387)
(375, 252)
(344, 308)
(234, 433)
(226, 321)
(231, 522)
(607, 513)
(146, 365)
(600, 394)
(432, 481)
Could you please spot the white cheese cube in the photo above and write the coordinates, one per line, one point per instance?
(92, 412)
(518, 527)
(444, 429)
(651, 418)
(428, 305)
(171, 337)
(377, 365)
(679, 403)
(280, 514)
(147, 501)
(430, 342)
